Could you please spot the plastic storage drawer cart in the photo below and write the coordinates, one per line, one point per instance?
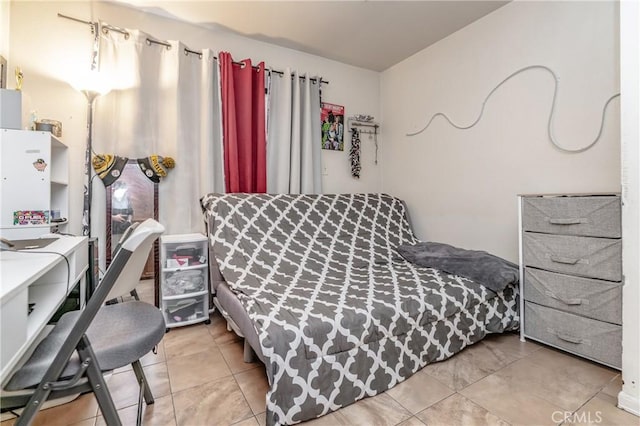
(571, 274)
(184, 281)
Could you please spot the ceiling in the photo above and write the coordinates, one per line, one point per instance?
(370, 34)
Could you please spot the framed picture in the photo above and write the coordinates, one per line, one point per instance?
(332, 117)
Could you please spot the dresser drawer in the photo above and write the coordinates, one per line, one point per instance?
(583, 256)
(597, 299)
(593, 339)
(585, 216)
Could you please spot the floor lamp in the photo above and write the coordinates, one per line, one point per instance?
(92, 86)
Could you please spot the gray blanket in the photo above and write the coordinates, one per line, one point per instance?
(339, 314)
(491, 271)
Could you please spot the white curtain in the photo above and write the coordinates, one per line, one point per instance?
(163, 102)
(293, 135)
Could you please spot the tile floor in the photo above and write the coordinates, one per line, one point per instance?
(199, 378)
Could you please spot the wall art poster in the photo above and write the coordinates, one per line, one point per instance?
(332, 117)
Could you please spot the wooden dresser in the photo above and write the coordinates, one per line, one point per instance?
(571, 274)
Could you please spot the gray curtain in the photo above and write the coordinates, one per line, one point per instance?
(293, 135)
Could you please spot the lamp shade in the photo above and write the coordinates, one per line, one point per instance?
(92, 84)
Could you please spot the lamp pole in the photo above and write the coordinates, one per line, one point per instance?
(88, 192)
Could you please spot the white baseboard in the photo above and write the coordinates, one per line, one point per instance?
(629, 403)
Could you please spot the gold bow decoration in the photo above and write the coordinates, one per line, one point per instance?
(109, 166)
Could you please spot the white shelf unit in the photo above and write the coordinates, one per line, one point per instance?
(34, 169)
(184, 279)
(41, 280)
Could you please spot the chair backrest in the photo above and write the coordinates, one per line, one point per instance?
(139, 243)
(126, 265)
(124, 236)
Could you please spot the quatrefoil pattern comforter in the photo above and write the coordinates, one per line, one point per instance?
(339, 314)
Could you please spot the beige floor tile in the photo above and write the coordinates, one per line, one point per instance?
(218, 329)
(159, 413)
(614, 387)
(380, 410)
(611, 400)
(330, 419)
(251, 421)
(413, 421)
(124, 386)
(219, 402)
(254, 386)
(419, 392)
(564, 380)
(148, 359)
(181, 341)
(81, 410)
(262, 419)
(8, 422)
(223, 337)
(510, 345)
(574, 365)
(154, 358)
(468, 366)
(233, 354)
(599, 411)
(217, 324)
(458, 410)
(510, 401)
(87, 422)
(195, 369)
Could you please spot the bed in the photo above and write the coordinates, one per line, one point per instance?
(317, 288)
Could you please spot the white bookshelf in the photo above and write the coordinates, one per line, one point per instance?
(34, 177)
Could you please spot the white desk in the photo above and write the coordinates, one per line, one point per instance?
(42, 279)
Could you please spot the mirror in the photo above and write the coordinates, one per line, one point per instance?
(132, 198)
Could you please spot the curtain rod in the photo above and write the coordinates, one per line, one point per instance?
(107, 27)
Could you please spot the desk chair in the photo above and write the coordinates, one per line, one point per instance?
(127, 232)
(85, 344)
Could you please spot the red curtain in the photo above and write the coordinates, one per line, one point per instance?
(243, 122)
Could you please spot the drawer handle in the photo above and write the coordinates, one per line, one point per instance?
(571, 221)
(567, 337)
(565, 301)
(565, 260)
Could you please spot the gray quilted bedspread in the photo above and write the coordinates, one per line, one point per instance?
(339, 314)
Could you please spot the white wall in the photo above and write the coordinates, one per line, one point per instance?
(461, 185)
(5, 10)
(49, 48)
(629, 397)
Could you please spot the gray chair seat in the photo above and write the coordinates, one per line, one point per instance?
(110, 333)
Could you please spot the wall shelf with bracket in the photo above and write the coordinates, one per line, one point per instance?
(365, 128)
